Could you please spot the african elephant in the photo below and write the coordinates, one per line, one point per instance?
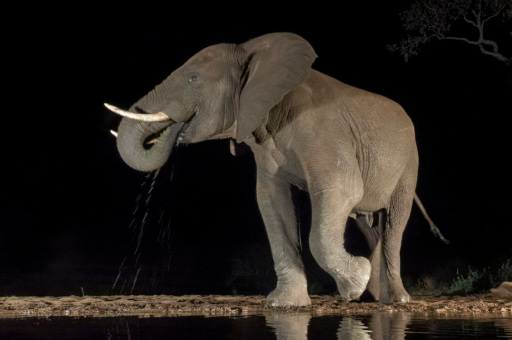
(353, 151)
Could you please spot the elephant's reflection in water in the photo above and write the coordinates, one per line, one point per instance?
(506, 324)
(289, 327)
(353, 329)
(378, 326)
(389, 326)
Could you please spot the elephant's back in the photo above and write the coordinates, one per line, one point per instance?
(355, 103)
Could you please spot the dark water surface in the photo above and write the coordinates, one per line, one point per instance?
(270, 326)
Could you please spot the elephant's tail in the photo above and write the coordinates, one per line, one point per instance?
(433, 227)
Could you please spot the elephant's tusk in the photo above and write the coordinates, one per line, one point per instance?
(153, 117)
(154, 140)
(114, 133)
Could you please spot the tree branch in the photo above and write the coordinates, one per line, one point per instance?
(490, 42)
(479, 15)
(496, 55)
(493, 16)
(462, 39)
(469, 21)
(474, 13)
(425, 4)
(427, 19)
(438, 36)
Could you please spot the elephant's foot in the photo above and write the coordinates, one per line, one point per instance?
(397, 293)
(353, 279)
(289, 295)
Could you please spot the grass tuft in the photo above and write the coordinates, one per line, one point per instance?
(480, 281)
(473, 281)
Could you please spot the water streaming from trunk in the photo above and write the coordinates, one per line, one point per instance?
(151, 231)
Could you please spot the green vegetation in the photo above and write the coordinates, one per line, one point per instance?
(480, 281)
(472, 282)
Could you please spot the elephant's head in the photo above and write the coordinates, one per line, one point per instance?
(225, 90)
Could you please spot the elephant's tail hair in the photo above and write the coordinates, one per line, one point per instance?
(433, 227)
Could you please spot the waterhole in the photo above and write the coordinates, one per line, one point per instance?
(397, 325)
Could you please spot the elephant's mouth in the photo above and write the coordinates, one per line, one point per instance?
(185, 127)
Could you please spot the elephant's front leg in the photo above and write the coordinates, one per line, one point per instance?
(332, 198)
(276, 206)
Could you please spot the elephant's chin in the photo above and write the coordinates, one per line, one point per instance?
(188, 130)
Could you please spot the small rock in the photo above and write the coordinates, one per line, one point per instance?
(504, 290)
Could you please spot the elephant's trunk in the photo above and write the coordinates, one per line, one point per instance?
(130, 143)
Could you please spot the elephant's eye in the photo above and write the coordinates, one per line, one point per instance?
(192, 79)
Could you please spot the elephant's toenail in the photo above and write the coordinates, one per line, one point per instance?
(274, 303)
(354, 295)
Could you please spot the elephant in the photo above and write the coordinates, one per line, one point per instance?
(353, 151)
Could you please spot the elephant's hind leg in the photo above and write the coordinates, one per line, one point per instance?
(371, 232)
(398, 214)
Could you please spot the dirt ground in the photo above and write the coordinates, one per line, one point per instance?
(165, 305)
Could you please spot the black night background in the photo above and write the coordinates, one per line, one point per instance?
(68, 199)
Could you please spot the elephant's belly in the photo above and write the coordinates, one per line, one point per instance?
(372, 203)
(378, 188)
(382, 162)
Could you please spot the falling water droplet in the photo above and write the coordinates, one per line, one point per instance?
(154, 278)
(117, 278)
(161, 216)
(135, 280)
(131, 223)
(124, 283)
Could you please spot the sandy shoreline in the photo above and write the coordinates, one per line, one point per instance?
(165, 305)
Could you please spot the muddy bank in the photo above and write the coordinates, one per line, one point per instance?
(165, 305)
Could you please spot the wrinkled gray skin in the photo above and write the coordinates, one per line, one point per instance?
(353, 151)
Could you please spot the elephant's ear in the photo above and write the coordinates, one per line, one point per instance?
(275, 64)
